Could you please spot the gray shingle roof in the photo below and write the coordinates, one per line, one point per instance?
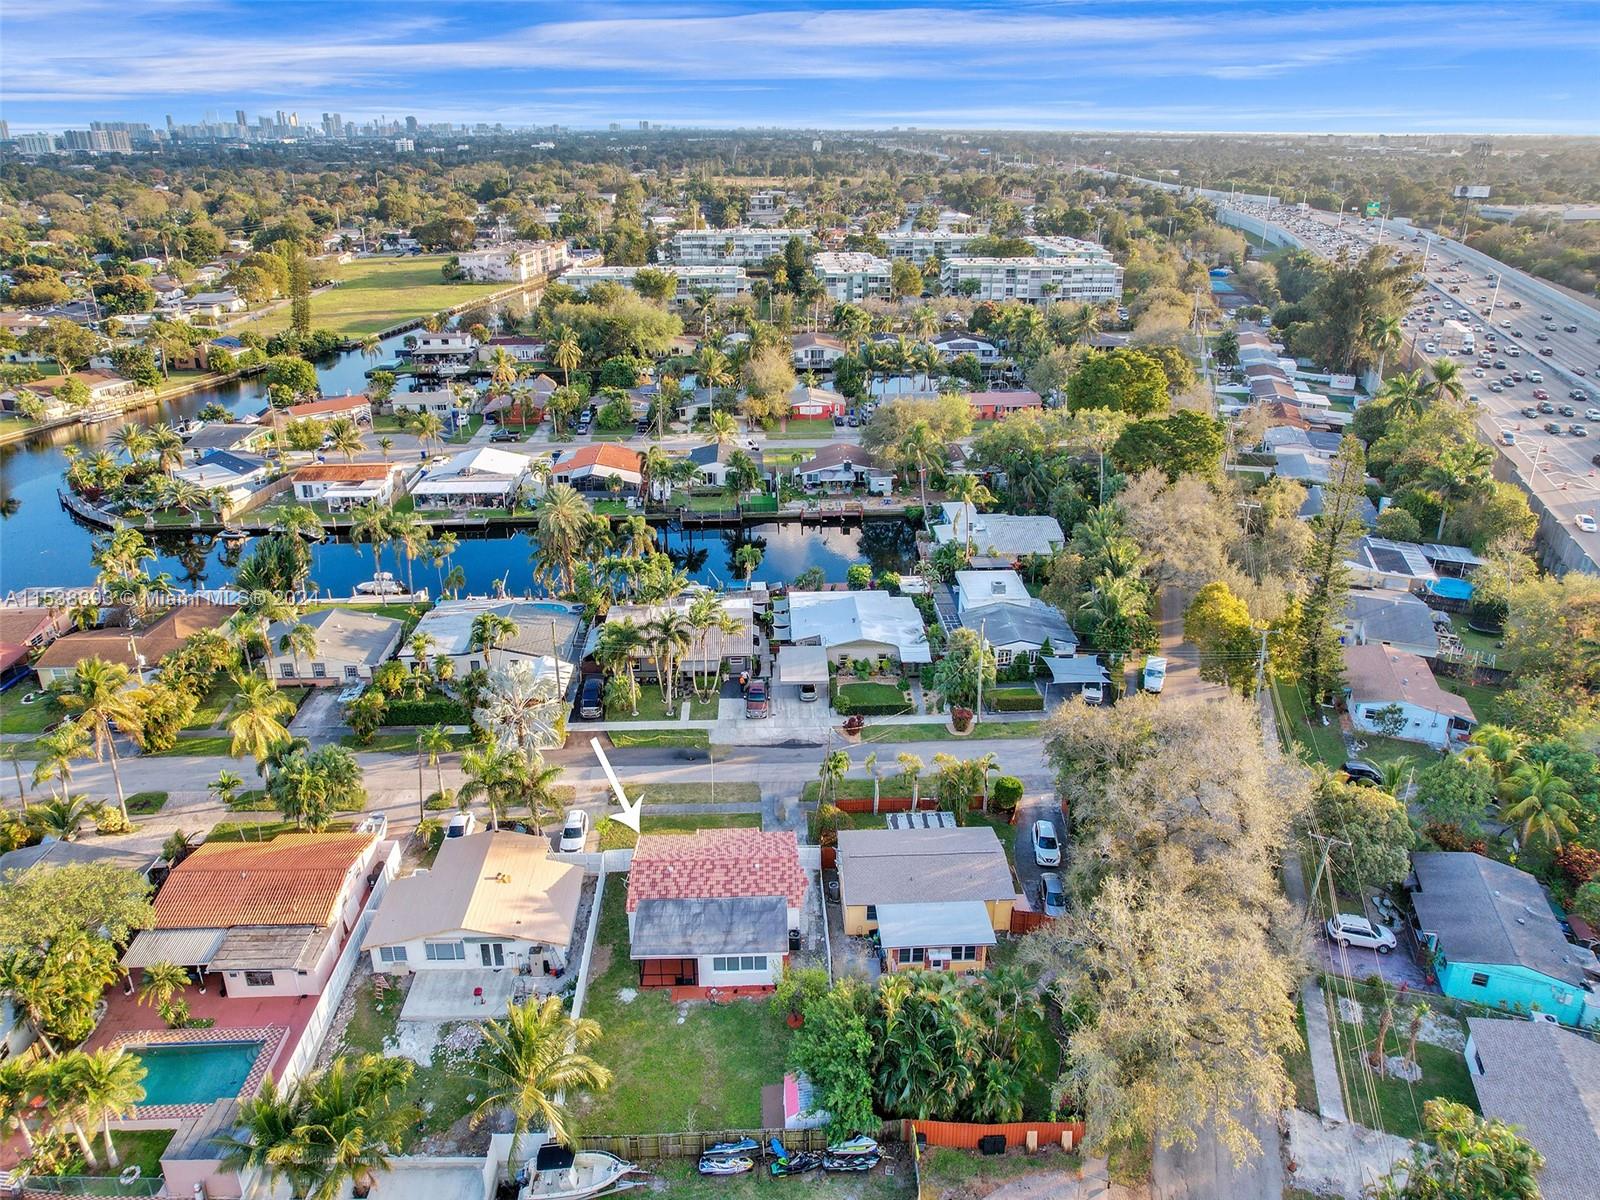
(1484, 911)
(904, 866)
(1395, 617)
(735, 925)
(1006, 624)
(1546, 1081)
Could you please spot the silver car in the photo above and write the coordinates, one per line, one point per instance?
(1350, 929)
(1052, 894)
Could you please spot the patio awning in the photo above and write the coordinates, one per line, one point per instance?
(936, 923)
(1079, 669)
(802, 664)
(186, 947)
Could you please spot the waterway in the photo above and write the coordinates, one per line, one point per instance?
(42, 545)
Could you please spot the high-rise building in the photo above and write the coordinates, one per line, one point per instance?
(5, 131)
(36, 143)
(169, 122)
(238, 118)
(282, 119)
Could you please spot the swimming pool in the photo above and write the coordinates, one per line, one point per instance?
(195, 1072)
(1451, 589)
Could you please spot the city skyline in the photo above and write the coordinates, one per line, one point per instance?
(1348, 66)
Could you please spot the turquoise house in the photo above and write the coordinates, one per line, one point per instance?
(1496, 942)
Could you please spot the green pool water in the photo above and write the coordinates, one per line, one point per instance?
(196, 1072)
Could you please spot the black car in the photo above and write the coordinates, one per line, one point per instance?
(1363, 771)
(1566, 410)
(505, 435)
(1547, 408)
(590, 706)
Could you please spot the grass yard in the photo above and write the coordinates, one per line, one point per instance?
(683, 1182)
(1298, 1065)
(1399, 1102)
(145, 804)
(616, 836)
(140, 1148)
(464, 434)
(703, 1071)
(877, 695)
(206, 746)
(376, 293)
(17, 717)
(653, 708)
(1003, 829)
(1317, 742)
(696, 793)
(960, 1174)
(1485, 700)
(442, 1090)
(253, 800)
(693, 739)
(263, 831)
(861, 789)
(399, 743)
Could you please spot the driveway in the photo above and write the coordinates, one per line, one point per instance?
(1398, 967)
(1183, 658)
(321, 717)
(1031, 808)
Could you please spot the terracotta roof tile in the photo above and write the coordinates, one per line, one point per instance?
(295, 879)
(603, 454)
(716, 864)
(337, 471)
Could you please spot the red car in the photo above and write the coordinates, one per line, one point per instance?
(1540, 394)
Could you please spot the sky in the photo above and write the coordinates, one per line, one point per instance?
(1514, 66)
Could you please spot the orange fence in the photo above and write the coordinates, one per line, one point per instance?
(960, 1135)
(886, 804)
(1026, 921)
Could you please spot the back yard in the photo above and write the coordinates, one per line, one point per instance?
(679, 1067)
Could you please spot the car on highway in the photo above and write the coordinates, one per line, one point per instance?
(1591, 414)
(1541, 337)
(1540, 394)
(1578, 430)
(1496, 387)
(1586, 522)
(1508, 438)
(574, 831)
(1351, 929)
(1569, 329)
(1547, 408)
(1536, 376)
(1566, 410)
(1553, 427)
(1530, 412)
(1052, 895)
(1046, 845)
(1549, 352)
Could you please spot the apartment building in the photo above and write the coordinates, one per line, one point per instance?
(743, 246)
(919, 245)
(1035, 280)
(1068, 247)
(515, 262)
(767, 206)
(725, 283)
(848, 276)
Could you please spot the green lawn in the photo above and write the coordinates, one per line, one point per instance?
(1486, 644)
(263, 831)
(616, 836)
(399, 743)
(444, 1090)
(1298, 1065)
(144, 804)
(1485, 701)
(1318, 743)
(464, 434)
(17, 717)
(696, 793)
(703, 1070)
(140, 1148)
(878, 695)
(207, 746)
(376, 293)
(653, 708)
(694, 739)
(1003, 829)
(861, 789)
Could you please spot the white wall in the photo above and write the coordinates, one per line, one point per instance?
(1429, 728)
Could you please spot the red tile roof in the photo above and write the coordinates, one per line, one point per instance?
(717, 864)
(602, 454)
(332, 404)
(351, 471)
(295, 879)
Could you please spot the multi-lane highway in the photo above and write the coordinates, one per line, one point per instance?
(1534, 370)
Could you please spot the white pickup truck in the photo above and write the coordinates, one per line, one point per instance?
(1155, 674)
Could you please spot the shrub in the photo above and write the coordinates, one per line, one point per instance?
(1005, 793)
(436, 710)
(110, 820)
(1578, 863)
(1448, 837)
(1015, 700)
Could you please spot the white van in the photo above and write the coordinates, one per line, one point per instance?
(1155, 674)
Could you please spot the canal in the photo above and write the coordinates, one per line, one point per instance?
(42, 545)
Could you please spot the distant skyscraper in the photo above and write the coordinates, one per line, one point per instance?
(282, 119)
(644, 124)
(616, 127)
(5, 132)
(238, 118)
(411, 125)
(169, 122)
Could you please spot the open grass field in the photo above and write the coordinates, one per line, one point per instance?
(690, 739)
(722, 792)
(375, 293)
(701, 1070)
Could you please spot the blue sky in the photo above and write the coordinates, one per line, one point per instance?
(1509, 67)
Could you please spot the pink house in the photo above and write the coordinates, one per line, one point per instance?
(986, 406)
(262, 918)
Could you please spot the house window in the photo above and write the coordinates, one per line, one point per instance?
(872, 912)
(739, 962)
(492, 953)
(475, 665)
(1479, 979)
(258, 979)
(352, 673)
(319, 670)
(445, 951)
(915, 955)
(392, 954)
(1002, 658)
(286, 670)
(963, 954)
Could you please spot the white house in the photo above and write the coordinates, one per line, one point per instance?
(996, 604)
(853, 625)
(591, 468)
(952, 346)
(1394, 694)
(1380, 563)
(816, 351)
(489, 901)
(843, 467)
(522, 349)
(919, 245)
(543, 629)
(711, 462)
(998, 535)
(236, 476)
(447, 352)
(850, 276)
(350, 645)
(343, 486)
(711, 911)
(441, 402)
(482, 477)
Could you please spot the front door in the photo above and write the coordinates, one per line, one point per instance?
(494, 954)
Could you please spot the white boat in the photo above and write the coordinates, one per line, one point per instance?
(558, 1173)
(382, 584)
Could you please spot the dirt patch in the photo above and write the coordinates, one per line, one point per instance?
(1396, 1066)
(1350, 1011)
(599, 960)
(1441, 1029)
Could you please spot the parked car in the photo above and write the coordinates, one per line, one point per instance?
(1362, 771)
(808, 692)
(1586, 522)
(1046, 846)
(376, 824)
(1348, 929)
(1093, 693)
(575, 832)
(591, 699)
(505, 435)
(1053, 895)
(461, 825)
(756, 703)
(1155, 674)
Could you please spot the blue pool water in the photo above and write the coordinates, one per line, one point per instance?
(197, 1072)
(1452, 589)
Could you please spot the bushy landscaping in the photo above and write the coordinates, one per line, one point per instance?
(870, 699)
(705, 1071)
(1014, 699)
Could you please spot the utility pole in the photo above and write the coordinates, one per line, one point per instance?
(1325, 843)
(1261, 661)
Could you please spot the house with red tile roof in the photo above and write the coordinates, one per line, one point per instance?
(588, 468)
(710, 912)
(357, 408)
(987, 406)
(263, 918)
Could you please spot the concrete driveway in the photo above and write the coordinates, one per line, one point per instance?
(321, 717)
(1033, 808)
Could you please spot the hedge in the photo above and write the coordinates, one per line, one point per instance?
(1015, 700)
(435, 711)
(846, 706)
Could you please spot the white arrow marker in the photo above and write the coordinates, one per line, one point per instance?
(630, 811)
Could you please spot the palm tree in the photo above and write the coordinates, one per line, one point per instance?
(1444, 380)
(1083, 324)
(533, 1063)
(970, 491)
(65, 1100)
(834, 765)
(296, 640)
(436, 743)
(723, 430)
(1498, 748)
(1383, 336)
(267, 1139)
(21, 1087)
(1457, 473)
(668, 636)
(634, 536)
(429, 429)
(412, 534)
(108, 1083)
(1540, 801)
(982, 766)
(258, 710)
(566, 352)
(747, 558)
(561, 525)
(919, 449)
(911, 767)
(742, 476)
(370, 522)
(712, 371)
(386, 444)
(98, 693)
(502, 372)
(62, 817)
(1405, 394)
(164, 983)
(620, 643)
(491, 776)
(56, 751)
(351, 1121)
(489, 630)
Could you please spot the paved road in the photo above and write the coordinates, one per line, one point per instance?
(1183, 658)
(1207, 1171)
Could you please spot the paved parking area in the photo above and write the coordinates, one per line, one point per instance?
(1039, 807)
(449, 995)
(320, 718)
(1399, 967)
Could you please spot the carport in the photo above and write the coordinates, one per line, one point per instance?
(803, 664)
(1073, 674)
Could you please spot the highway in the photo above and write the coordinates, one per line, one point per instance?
(1526, 341)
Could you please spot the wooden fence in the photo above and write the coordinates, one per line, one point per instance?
(1024, 920)
(648, 1147)
(962, 1135)
(886, 804)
